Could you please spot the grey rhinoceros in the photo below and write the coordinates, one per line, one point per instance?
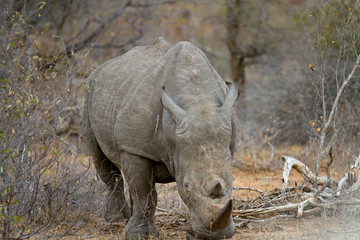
(161, 113)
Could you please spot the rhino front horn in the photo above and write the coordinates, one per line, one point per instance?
(223, 217)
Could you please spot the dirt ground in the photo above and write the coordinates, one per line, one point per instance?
(309, 228)
(172, 225)
(172, 215)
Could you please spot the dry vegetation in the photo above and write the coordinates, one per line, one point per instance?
(300, 104)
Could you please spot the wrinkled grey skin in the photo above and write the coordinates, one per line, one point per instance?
(161, 113)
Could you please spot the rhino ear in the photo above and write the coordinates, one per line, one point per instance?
(232, 95)
(175, 111)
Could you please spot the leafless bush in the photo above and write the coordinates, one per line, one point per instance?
(42, 179)
(334, 68)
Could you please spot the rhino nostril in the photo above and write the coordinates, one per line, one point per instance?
(215, 188)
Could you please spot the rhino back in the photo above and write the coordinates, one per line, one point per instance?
(120, 103)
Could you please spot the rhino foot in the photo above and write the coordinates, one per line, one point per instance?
(116, 209)
(113, 217)
(190, 237)
(140, 230)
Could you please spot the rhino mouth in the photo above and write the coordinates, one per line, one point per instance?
(221, 226)
(206, 234)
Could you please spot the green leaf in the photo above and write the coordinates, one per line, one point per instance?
(6, 151)
(54, 150)
(61, 120)
(42, 5)
(36, 58)
(14, 201)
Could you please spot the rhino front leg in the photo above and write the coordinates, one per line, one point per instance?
(138, 172)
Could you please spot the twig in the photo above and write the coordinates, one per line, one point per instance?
(329, 164)
(34, 232)
(264, 220)
(269, 210)
(247, 188)
(320, 190)
(272, 152)
(164, 209)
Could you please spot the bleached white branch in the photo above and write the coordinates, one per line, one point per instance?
(301, 168)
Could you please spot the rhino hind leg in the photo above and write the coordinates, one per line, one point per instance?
(138, 172)
(117, 208)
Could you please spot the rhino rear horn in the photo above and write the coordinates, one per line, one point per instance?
(232, 95)
(175, 111)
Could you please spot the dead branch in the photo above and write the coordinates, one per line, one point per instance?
(163, 209)
(292, 207)
(301, 200)
(263, 220)
(329, 163)
(247, 188)
(269, 210)
(351, 179)
(305, 172)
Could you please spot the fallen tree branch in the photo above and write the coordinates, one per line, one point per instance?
(291, 207)
(309, 200)
(269, 210)
(305, 172)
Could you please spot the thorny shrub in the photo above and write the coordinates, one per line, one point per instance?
(42, 180)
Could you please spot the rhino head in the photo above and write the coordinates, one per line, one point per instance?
(199, 142)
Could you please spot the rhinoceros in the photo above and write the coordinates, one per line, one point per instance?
(157, 114)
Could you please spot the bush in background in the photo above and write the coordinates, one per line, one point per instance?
(42, 180)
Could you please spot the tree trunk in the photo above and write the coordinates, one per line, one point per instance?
(237, 60)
